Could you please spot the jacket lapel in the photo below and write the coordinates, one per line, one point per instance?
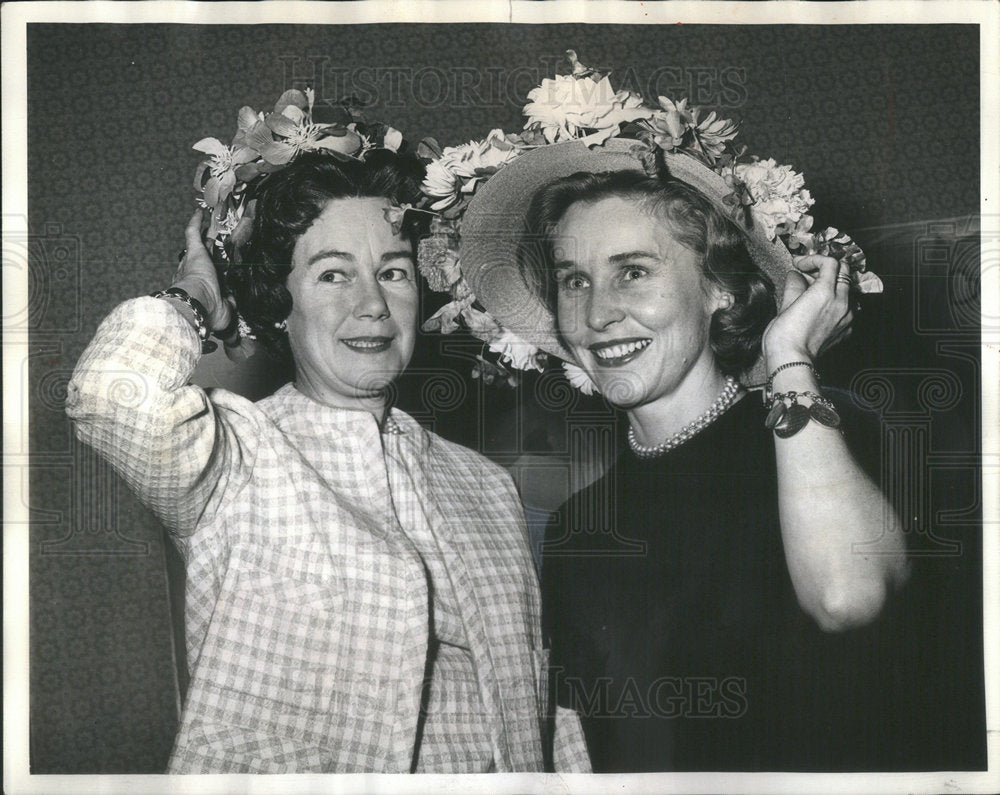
(487, 668)
(470, 595)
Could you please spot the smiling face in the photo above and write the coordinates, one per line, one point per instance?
(632, 305)
(354, 304)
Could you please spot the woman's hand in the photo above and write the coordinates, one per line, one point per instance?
(815, 311)
(197, 277)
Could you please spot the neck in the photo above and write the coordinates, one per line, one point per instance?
(656, 421)
(374, 404)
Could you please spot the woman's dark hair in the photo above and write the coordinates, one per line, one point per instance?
(735, 333)
(288, 201)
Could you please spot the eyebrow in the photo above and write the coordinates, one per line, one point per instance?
(401, 253)
(614, 259)
(617, 259)
(347, 255)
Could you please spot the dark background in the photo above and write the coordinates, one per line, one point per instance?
(883, 121)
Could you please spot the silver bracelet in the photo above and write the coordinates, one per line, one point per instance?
(769, 386)
(788, 420)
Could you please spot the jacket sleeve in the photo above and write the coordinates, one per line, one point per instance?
(131, 400)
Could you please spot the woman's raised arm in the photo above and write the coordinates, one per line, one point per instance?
(131, 400)
(843, 540)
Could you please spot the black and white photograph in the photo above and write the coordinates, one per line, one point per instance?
(530, 397)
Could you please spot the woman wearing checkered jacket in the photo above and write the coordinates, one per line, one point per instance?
(353, 603)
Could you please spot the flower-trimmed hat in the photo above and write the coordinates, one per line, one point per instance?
(266, 143)
(578, 123)
(495, 220)
(227, 180)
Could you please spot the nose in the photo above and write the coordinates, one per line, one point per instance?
(370, 300)
(603, 309)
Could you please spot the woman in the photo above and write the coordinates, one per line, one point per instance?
(353, 604)
(705, 600)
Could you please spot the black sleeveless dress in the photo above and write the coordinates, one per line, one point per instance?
(674, 628)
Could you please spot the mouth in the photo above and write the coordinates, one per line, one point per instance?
(618, 352)
(368, 344)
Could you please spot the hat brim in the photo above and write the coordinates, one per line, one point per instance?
(494, 224)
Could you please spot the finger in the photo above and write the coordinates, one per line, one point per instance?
(806, 263)
(813, 263)
(809, 273)
(226, 314)
(828, 269)
(844, 280)
(806, 267)
(192, 233)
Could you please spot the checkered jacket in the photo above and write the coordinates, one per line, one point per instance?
(307, 607)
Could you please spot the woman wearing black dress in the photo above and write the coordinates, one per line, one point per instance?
(710, 601)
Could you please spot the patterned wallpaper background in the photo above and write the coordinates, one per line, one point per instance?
(883, 122)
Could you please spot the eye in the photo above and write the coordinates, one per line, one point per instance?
(394, 275)
(632, 273)
(572, 281)
(333, 276)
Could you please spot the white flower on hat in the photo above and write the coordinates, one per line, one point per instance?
(228, 223)
(518, 353)
(441, 183)
(481, 324)
(392, 140)
(569, 107)
(777, 192)
(578, 378)
(220, 169)
(445, 320)
(460, 168)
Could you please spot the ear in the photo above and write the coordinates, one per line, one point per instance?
(719, 298)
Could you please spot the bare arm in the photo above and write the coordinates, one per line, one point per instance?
(843, 541)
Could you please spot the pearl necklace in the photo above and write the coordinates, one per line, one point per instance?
(726, 399)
